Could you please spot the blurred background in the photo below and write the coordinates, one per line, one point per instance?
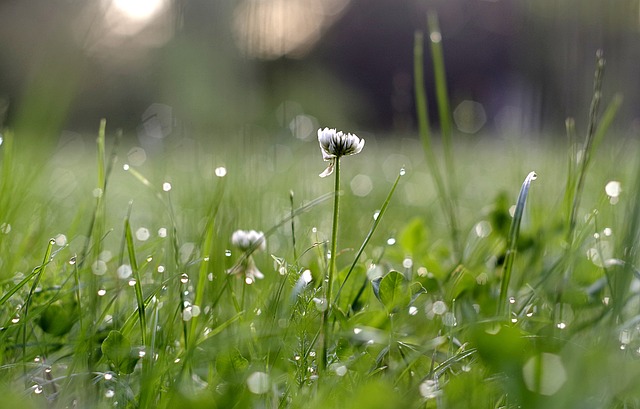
(215, 68)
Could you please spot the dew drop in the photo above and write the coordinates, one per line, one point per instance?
(220, 171)
(227, 253)
(375, 215)
(248, 280)
(407, 263)
(184, 278)
(60, 240)
(561, 325)
(166, 186)
(413, 310)
(52, 241)
(162, 232)
(124, 271)
(37, 389)
(102, 292)
(402, 171)
(108, 376)
(125, 166)
(296, 358)
(512, 300)
(132, 282)
(391, 241)
(161, 269)
(15, 320)
(258, 383)
(142, 353)
(149, 259)
(143, 234)
(47, 369)
(109, 393)
(72, 260)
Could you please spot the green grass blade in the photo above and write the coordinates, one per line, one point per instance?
(372, 230)
(588, 144)
(422, 113)
(136, 275)
(512, 242)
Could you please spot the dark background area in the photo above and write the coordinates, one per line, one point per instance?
(526, 65)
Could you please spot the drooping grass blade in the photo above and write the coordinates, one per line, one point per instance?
(512, 241)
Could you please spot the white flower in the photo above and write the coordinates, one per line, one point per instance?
(245, 240)
(248, 241)
(335, 144)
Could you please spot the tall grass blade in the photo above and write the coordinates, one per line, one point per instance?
(136, 275)
(372, 230)
(588, 144)
(512, 242)
(422, 113)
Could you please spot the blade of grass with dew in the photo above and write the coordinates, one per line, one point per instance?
(631, 242)
(372, 230)
(136, 275)
(207, 243)
(27, 303)
(444, 113)
(512, 242)
(422, 113)
(588, 143)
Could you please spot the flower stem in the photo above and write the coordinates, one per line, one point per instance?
(326, 328)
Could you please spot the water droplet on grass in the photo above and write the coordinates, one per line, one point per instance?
(37, 389)
(72, 260)
(227, 253)
(132, 282)
(544, 374)
(109, 393)
(258, 383)
(124, 271)
(15, 320)
(102, 292)
(429, 389)
(99, 268)
(512, 300)
(413, 310)
(162, 232)
(402, 171)
(220, 171)
(161, 269)
(166, 186)
(561, 325)
(407, 263)
(391, 241)
(143, 234)
(439, 307)
(184, 278)
(108, 376)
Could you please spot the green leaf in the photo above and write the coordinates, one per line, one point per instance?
(117, 349)
(393, 292)
(58, 318)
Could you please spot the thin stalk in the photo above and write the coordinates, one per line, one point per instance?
(422, 112)
(512, 242)
(588, 143)
(326, 328)
(442, 98)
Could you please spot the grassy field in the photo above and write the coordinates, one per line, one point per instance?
(454, 284)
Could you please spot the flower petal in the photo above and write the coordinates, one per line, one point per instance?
(328, 170)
